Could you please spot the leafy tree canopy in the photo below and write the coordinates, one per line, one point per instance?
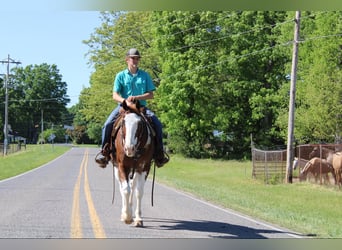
(223, 76)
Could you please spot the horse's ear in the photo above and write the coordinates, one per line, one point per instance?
(137, 104)
(124, 105)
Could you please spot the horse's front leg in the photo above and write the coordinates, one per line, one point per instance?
(125, 191)
(132, 185)
(139, 180)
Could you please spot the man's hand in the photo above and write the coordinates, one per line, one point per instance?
(131, 99)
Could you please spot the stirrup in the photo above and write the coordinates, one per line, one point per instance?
(101, 160)
(161, 161)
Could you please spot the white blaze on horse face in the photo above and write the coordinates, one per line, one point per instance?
(131, 140)
(295, 163)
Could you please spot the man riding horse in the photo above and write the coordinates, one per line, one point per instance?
(132, 84)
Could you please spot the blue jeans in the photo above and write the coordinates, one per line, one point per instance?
(108, 126)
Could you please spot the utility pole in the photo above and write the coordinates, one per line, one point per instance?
(290, 136)
(8, 61)
(42, 126)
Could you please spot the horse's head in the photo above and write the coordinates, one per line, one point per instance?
(323, 153)
(295, 163)
(314, 153)
(135, 135)
(132, 129)
(131, 106)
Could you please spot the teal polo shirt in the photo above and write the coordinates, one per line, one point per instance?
(127, 84)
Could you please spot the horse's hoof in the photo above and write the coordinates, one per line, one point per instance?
(128, 222)
(138, 223)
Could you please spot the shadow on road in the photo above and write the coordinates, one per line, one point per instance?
(214, 229)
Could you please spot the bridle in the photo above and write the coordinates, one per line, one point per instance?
(142, 138)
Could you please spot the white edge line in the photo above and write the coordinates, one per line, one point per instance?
(229, 211)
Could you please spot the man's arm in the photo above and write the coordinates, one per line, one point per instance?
(145, 96)
(117, 97)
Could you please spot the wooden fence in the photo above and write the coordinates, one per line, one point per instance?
(269, 165)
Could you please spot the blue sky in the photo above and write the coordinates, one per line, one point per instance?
(50, 36)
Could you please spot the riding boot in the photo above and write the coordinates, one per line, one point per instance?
(102, 158)
(161, 157)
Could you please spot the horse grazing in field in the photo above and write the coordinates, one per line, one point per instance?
(333, 158)
(134, 145)
(317, 166)
(299, 162)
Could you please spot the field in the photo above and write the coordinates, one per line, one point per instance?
(307, 208)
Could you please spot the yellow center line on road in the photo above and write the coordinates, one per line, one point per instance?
(95, 220)
(76, 225)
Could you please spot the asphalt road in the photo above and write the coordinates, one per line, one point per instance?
(71, 197)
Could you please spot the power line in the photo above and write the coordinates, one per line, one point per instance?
(230, 35)
(52, 99)
(254, 52)
(238, 57)
(178, 19)
(223, 37)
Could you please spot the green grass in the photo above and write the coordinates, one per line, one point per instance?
(29, 158)
(303, 207)
(307, 208)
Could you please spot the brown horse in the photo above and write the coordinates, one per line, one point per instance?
(317, 166)
(134, 153)
(333, 158)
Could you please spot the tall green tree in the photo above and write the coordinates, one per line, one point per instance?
(38, 93)
(219, 73)
(222, 76)
(107, 47)
(318, 114)
(79, 133)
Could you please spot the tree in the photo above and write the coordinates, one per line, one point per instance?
(80, 133)
(220, 72)
(222, 76)
(107, 47)
(38, 93)
(318, 114)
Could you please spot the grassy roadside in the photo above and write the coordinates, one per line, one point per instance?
(29, 158)
(307, 208)
(303, 207)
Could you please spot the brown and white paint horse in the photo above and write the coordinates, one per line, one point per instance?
(134, 145)
(333, 158)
